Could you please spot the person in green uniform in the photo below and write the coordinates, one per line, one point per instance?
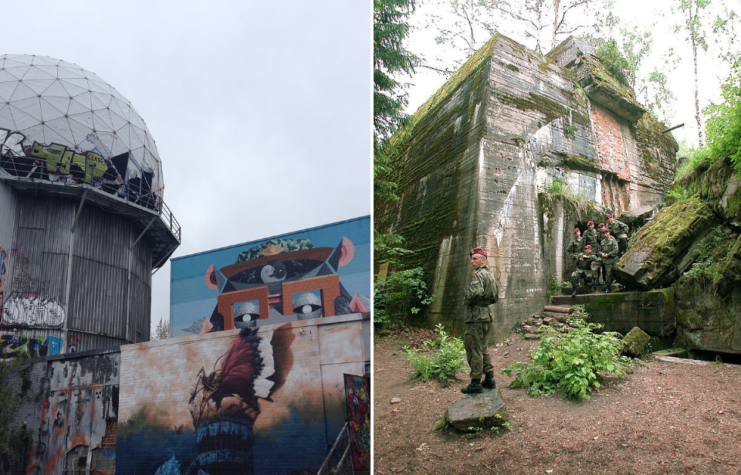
(482, 292)
(575, 246)
(591, 236)
(598, 251)
(620, 231)
(610, 250)
(583, 269)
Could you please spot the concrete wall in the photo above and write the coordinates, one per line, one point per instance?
(484, 146)
(70, 405)
(268, 399)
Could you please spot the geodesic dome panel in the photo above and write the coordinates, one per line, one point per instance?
(63, 123)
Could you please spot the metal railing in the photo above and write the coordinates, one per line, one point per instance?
(339, 458)
(90, 175)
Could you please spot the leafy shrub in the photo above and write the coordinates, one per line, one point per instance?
(723, 124)
(555, 286)
(401, 296)
(571, 364)
(559, 186)
(440, 359)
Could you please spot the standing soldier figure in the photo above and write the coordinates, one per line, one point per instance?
(583, 269)
(482, 292)
(610, 250)
(620, 231)
(575, 246)
(601, 238)
(591, 236)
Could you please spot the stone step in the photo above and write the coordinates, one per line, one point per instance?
(561, 317)
(581, 299)
(588, 290)
(556, 309)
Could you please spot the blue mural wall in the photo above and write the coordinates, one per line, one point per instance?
(312, 273)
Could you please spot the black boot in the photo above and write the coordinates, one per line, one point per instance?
(608, 288)
(489, 381)
(573, 294)
(473, 388)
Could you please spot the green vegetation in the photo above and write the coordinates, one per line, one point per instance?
(573, 363)
(555, 286)
(440, 359)
(399, 298)
(13, 440)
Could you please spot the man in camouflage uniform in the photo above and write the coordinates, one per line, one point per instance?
(575, 247)
(482, 292)
(610, 250)
(591, 236)
(583, 269)
(620, 231)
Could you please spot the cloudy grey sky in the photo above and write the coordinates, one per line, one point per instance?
(261, 110)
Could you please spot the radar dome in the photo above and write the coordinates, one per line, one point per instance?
(65, 124)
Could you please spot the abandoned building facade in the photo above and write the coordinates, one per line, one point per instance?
(505, 126)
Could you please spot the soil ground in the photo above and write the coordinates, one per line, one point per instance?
(665, 418)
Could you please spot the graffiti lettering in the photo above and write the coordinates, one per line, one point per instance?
(12, 345)
(33, 311)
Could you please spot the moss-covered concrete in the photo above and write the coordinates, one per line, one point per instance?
(661, 243)
(652, 311)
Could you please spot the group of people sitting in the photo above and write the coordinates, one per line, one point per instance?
(595, 253)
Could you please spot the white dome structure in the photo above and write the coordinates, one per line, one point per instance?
(83, 222)
(47, 104)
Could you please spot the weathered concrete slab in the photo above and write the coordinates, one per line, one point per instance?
(478, 410)
(654, 260)
(653, 311)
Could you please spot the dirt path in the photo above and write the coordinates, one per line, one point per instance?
(665, 418)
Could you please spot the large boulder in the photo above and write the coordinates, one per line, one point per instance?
(482, 410)
(635, 343)
(656, 255)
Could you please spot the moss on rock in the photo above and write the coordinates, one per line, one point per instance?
(657, 246)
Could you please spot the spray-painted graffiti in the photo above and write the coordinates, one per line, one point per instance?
(3, 255)
(13, 345)
(32, 311)
(358, 415)
(80, 405)
(59, 163)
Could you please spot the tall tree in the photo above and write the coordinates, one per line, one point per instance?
(390, 58)
(162, 331)
(692, 27)
(463, 26)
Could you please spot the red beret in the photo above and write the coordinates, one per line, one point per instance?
(601, 225)
(588, 246)
(609, 216)
(576, 229)
(591, 223)
(478, 250)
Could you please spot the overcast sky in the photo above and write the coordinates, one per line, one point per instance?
(261, 110)
(424, 83)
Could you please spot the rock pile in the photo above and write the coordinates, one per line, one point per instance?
(552, 316)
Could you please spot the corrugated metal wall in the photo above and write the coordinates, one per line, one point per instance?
(41, 247)
(7, 228)
(96, 314)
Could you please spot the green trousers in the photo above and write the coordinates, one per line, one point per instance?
(476, 342)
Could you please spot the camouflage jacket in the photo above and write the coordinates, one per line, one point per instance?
(592, 238)
(618, 228)
(482, 292)
(586, 263)
(611, 248)
(575, 249)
